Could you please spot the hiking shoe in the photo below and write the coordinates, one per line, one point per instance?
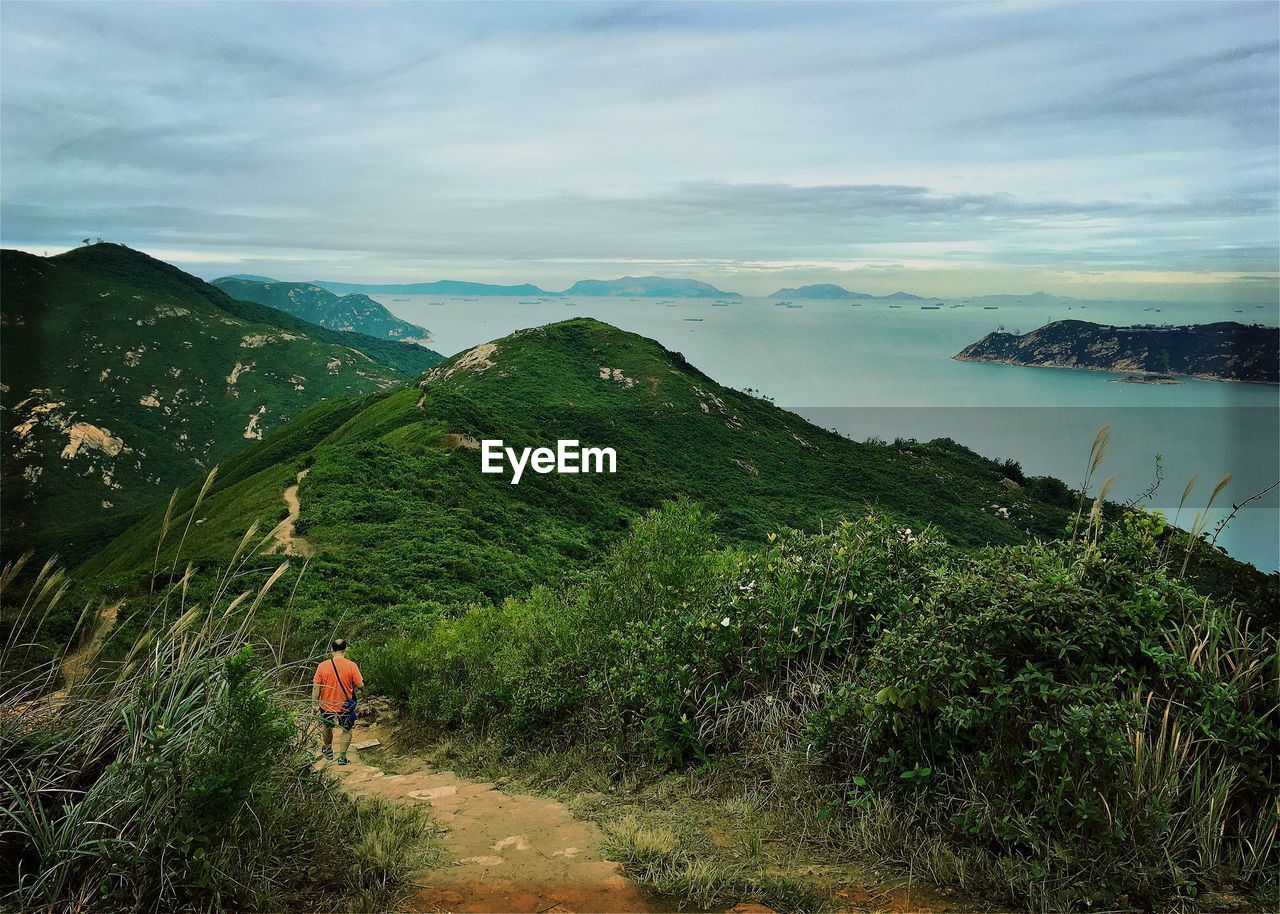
(342, 760)
(327, 753)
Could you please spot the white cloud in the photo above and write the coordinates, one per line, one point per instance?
(522, 141)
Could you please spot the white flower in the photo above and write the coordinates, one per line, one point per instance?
(725, 621)
(795, 629)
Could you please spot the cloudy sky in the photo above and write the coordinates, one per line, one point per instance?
(1102, 150)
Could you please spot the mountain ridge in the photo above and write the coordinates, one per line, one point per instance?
(396, 510)
(141, 378)
(353, 312)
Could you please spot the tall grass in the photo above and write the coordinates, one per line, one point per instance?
(175, 775)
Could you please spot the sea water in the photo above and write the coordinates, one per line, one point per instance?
(869, 370)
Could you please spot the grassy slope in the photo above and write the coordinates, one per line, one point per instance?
(403, 522)
(102, 330)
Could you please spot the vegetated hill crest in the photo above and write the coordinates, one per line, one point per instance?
(394, 501)
(124, 377)
(1223, 351)
(353, 312)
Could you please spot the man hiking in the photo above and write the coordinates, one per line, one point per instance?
(333, 698)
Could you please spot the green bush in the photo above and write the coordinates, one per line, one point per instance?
(1072, 712)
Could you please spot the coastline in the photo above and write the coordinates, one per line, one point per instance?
(1116, 371)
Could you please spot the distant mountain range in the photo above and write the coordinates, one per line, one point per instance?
(648, 287)
(830, 290)
(451, 287)
(633, 287)
(1224, 351)
(1021, 298)
(354, 312)
(627, 286)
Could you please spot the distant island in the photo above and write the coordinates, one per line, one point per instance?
(452, 287)
(1224, 351)
(355, 312)
(830, 290)
(648, 287)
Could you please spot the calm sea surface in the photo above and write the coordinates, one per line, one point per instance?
(874, 371)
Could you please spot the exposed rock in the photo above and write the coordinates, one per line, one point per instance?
(237, 371)
(251, 430)
(616, 375)
(473, 360)
(82, 434)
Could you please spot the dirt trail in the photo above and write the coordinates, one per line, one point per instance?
(286, 540)
(520, 854)
(508, 852)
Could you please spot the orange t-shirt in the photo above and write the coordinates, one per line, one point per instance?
(331, 697)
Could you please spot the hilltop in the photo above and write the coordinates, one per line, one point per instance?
(452, 287)
(648, 287)
(397, 511)
(1224, 351)
(354, 312)
(830, 290)
(124, 377)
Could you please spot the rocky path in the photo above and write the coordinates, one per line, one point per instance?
(287, 541)
(508, 852)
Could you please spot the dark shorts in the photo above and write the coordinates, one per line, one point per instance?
(343, 719)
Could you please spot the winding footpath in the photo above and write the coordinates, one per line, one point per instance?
(508, 852)
(286, 540)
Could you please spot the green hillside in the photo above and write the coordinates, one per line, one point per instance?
(400, 516)
(352, 313)
(124, 377)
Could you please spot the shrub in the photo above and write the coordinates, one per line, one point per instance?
(1072, 712)
(1056, 703)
